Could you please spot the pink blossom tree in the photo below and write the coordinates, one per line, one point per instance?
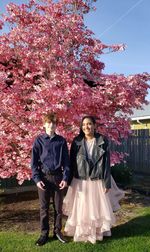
(49, 60)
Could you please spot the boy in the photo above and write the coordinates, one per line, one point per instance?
(50, 171)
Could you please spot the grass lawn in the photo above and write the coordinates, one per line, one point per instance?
(132, 236)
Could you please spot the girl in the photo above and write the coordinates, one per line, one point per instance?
(87, 204)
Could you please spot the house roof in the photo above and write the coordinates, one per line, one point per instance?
(140, 114)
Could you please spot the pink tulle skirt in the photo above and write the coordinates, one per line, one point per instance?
(115, 195)
(89, 211)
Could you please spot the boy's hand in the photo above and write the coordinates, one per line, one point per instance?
(62, 184)
(41, 185)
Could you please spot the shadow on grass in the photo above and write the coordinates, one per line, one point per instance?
(139, 226)
(135, 227)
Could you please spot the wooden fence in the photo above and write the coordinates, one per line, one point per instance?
(138, 148)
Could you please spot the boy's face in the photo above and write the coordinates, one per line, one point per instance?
(50, 127)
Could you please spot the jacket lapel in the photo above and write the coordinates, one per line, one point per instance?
(98, 151)
(82, 150)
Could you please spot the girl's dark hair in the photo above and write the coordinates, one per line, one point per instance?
(92, 118)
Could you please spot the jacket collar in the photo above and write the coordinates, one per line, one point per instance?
(45, 135)
(97, 150)
(99, 139)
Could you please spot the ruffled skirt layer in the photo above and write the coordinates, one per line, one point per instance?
(115, 195)
(89, 211)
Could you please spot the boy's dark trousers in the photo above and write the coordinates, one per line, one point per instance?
(51, 190)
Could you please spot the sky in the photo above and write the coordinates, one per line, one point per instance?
(117, 22)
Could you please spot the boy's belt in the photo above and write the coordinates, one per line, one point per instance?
(52, 173)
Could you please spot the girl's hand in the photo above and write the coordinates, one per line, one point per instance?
(106, 190)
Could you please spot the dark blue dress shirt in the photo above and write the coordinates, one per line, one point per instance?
(50, 154)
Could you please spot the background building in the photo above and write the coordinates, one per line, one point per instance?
(141, 118)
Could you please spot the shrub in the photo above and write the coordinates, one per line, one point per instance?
(122, 174)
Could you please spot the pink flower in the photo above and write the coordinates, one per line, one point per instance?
(50, 61)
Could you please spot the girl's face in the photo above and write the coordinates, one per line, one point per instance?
(88, 127)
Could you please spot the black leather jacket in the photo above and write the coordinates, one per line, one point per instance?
(81, 168)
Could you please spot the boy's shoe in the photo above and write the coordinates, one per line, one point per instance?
(59, 236)
(42, 240)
